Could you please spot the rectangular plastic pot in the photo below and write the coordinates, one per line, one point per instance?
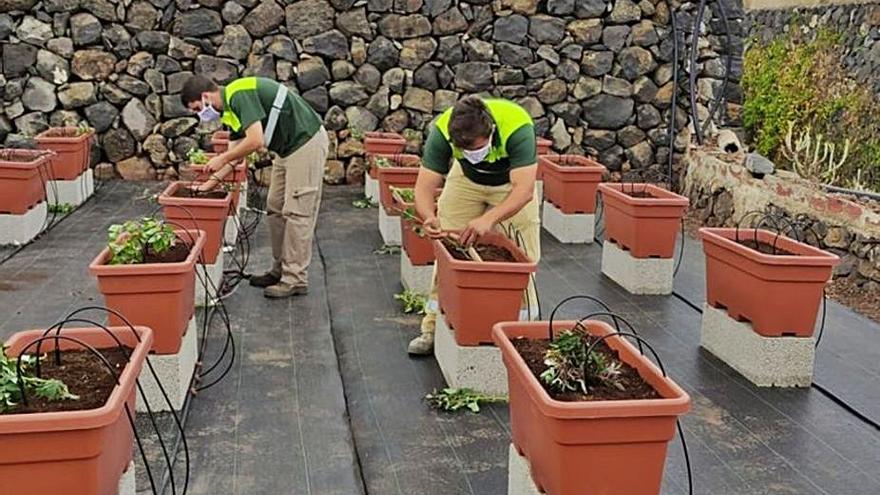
(383, 143)
(22, 184)
(571, 181)
(601, 447)
(207, 215)
(74, 452)
(419, 249)
(778, 294)
(403, 173)
(476, 295)
(156, 295)
(72, 152)
(646, 227)
(232, 181)
(543, 148)
(220, 141)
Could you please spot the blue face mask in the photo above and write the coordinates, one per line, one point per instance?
(207, 113)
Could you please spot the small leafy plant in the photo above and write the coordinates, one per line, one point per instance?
(411, 134)
(62, 208)
(382, 162)
(570, 369)
(10, 391)
(455, 399)
(406, 194)
(387, 249)
(197, 156)
(364, 203)
(413, 302)
(131, 240)
(356, 133)
(83, 128)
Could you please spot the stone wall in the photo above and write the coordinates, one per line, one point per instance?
(859, 25)
(722, 192)
(595, 74)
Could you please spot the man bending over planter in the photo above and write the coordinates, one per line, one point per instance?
(262, 113)
(486, 150)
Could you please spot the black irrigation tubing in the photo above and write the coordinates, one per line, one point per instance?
(728, 65)
(670, 132)
(692, 73)
(181, 437)
(596, 300)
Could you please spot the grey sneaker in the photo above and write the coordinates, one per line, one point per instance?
(265, 280)
(282, 290)
(423, 345)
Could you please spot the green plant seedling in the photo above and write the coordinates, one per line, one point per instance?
(413, 302)
(197, 156)
(62, 208)
(455, 399)
(129, 241)
(364, 203)
(387, 249)
(570, 369)
(10, 390)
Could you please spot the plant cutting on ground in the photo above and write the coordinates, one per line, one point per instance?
(364, 203)
(387, 249)
(456, 399)
(134, 241)
(413, 302)
(62, 208)
(10, 387)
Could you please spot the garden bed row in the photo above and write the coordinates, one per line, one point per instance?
(587, 406)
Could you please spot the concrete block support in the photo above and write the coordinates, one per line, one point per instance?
(574, 228)
(764, 361)
(637, 275)
(476, 367)
(230, 231)
(214, 273)
(73, 192)
(21, 229)
(127, 481)
(174, 372)
(371, 188)
(519, 478)
(415, 278)
(389, 227)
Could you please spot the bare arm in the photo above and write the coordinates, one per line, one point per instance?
(427, 182)
(222, 164)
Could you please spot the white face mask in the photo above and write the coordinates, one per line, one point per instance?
(478, 155)
(208, 114)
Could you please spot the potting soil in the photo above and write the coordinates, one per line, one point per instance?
(85, 375)
(632, 386)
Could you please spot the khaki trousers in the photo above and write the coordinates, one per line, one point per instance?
(463, 200)
(292, 205)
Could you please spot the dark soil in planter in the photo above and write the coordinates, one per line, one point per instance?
(634, 387)
(62, 133)
(487, 252)
(176, 254)
(185, 192)
(765, 248)
(637, 194)
(84, 374)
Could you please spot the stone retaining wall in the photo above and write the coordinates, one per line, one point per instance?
(595, 74)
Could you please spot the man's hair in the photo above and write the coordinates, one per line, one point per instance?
(470, 121)
(194, 87)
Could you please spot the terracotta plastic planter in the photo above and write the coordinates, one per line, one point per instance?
(543, 146)
(571, 181)
(207, 215)
(233, 181)
(156, 295)
(72, 151)
(383, 143)
(476, 295)
(647, 227)
(73, 452)
(420, 250)
(778, 294)
(22, 183)
(220, 141)
(403, 173)
(601, 447)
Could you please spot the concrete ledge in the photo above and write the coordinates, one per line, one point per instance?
(73, 192)
(519, 477)
(174, 372)
(389, 227)
(479, 368)
(21, 229)
(415, 278)
(214, 273)
(637, 275)
(127, 481)
(573, 228)
(764, 361)
(371, 188)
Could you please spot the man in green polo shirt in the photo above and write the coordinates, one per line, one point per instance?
(261, 113)
(487, 152)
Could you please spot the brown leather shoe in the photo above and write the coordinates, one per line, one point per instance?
(265, 280)
(282, 290)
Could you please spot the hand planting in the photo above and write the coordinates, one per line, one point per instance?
(129, 242)
(10, 390)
